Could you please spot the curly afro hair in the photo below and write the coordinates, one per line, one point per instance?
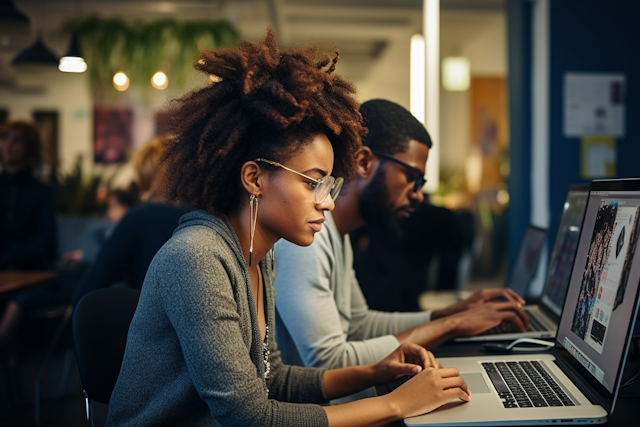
(261, 103)
(391, 127)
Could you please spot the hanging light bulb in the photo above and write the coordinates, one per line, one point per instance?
(159, 80)
(121, 81)
(73, 62)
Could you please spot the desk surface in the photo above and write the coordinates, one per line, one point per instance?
(625, 413)
(15, 281)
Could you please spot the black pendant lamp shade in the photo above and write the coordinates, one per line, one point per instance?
(9, 14)
(74, 46)
(14, 25)
(37, 54)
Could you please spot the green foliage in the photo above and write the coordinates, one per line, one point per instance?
(140, 49)
(75, 193)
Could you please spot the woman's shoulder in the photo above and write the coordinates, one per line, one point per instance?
(196, 241)
(194, 257)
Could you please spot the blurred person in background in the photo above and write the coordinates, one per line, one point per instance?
(119, 202)
(27, 210)
(126, 254)
(28, 231)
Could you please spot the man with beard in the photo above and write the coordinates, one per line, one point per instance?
(322, 318)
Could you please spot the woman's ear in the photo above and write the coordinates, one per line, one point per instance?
(250, 175)
(365, 162)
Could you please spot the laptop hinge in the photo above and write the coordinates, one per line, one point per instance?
(585, 388)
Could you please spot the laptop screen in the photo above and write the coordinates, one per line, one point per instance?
(564, 249)
(527, 260)
(601, 299)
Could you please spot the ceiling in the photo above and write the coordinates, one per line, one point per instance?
(362, 29)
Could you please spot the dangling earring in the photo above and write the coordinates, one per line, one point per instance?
(273, 258)
(253, 217)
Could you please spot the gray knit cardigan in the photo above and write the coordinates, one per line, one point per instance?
(194, 354)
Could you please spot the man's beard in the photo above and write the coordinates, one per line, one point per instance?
(377, 210)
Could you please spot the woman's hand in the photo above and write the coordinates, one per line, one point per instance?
(428, 390)
(408, 359)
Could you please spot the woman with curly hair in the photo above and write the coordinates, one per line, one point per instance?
(253, 153)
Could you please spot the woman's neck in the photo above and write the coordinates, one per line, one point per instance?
(240, 222)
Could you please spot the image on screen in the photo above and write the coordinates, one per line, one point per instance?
(610, 255)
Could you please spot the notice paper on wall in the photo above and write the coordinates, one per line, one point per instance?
(598, 157)
(594, 104)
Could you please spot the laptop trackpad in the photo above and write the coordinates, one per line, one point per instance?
(476, 383)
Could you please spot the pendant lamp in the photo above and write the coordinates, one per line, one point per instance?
(73, 62)
(37, 54)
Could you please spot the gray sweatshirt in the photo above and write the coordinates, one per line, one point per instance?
(194, 354)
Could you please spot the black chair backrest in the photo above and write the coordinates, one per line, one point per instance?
(100, 326)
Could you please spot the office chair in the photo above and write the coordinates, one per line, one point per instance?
(100, 326)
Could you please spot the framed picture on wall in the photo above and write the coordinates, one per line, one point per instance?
(111, 134)
(47, 122)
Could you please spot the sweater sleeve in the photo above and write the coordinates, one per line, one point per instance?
(294, 383)
(323, 332)
(199, 300)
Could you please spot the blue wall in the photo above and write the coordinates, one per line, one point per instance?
(585, 36)
(592, 36)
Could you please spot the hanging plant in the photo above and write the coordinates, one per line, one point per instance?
(140, 49)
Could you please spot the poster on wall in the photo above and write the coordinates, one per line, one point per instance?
(594, 104)
(111, 134)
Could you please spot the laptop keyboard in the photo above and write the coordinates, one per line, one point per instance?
(525, 385)
(534, 325)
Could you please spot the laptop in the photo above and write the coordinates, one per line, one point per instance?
(544, 316)
(578, 381)
(526, 262)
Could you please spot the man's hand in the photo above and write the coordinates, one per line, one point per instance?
(482, 317)
(475, 320)
(480, 297)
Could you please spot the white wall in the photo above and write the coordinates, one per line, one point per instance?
(389, 77)
(66, 93)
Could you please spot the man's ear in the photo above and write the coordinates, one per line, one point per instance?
(365, 162)
(250, 175)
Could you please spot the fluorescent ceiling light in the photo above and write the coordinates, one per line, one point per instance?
(456, 73)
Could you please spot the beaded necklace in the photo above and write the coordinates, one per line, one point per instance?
(265, 343)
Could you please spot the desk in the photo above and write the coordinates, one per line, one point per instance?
(624, 414)
(17, 281)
